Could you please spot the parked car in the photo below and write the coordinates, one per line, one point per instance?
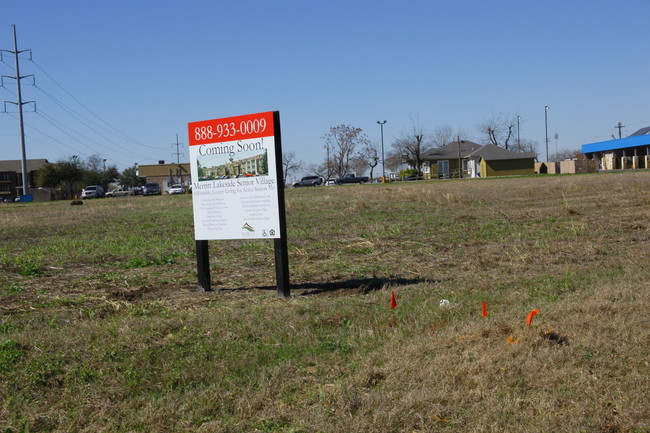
(177, 189)
(351, 178)
(151, 189)
(119, 192)
(309, 181)
(92, 191)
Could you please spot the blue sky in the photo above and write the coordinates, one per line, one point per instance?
(146, 69)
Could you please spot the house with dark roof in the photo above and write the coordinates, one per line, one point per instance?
(11, 177)
(444, 162)
(469, 159)
(491, 160)
(631, 152)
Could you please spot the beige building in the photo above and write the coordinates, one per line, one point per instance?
(166, 175)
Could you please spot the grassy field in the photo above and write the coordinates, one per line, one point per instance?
(102, 328)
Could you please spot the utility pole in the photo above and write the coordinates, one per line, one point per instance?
(518, 140)
(383, 161)
(177, 153)
(20, 104)
(619, 127)
(546, 128)
(460, 161)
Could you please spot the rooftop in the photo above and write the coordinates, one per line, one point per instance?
(16, 166)
(491, 152)
(451, 150)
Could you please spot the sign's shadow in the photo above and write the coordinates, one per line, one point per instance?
(358, 285)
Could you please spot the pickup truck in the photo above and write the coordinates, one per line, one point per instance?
(351, 178)
(119, 192)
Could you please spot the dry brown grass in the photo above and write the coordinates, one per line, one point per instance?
(107, 333)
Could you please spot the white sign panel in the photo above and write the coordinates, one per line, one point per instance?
(234, 181)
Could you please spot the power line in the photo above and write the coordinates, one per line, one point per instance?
(116, 131)
(77, 116)
(56, 124)
(46, 135)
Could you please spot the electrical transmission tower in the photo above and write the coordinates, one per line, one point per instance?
(20, 104)
(177, 153)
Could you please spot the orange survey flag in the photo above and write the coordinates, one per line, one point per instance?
(393, 302)
(484, 309)
(529, 319)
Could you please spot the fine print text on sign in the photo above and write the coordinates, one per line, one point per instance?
(234, 181)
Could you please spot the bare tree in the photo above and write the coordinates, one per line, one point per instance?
(442, 135)
(93, 163)
(527, 145)
(320, 170)
(499, 129)
(341, 144)
(367, 157)
(411, 145)
(289, 164)
(393, 161)
(569, 154)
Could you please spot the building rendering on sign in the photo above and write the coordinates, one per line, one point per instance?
(253, 165)
(631, 152)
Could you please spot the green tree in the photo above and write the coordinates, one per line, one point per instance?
(201, 173)
(95, 171)
(63, 174)
(129, 178)
(264, 163)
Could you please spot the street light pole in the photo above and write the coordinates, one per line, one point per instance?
(546, 128)
(518, 140)
(383, 165)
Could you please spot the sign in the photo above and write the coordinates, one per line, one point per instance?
(234, 177)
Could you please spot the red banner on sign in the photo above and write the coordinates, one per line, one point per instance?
(231, 128)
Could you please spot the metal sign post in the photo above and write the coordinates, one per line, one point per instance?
(280, 244)
(203, 265)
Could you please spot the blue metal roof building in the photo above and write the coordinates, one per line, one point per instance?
(624, 153)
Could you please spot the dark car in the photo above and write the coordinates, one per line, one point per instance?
(309, 181)
(151, 189)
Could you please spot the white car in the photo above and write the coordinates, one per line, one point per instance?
(177, 189)
(92, 191)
